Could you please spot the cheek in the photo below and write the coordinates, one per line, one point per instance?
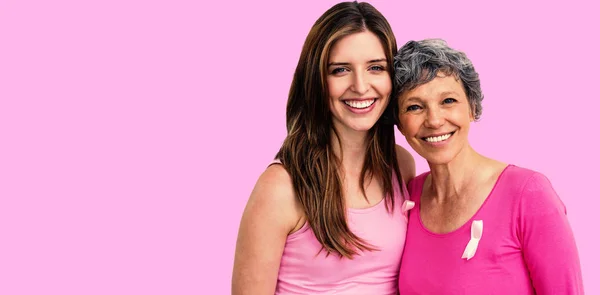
(409, 125)
(336, 88)
(384, 87)
(463, 116)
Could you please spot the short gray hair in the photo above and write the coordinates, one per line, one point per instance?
(418, 62)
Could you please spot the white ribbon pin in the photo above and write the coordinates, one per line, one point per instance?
(476, 233)
(407, 205)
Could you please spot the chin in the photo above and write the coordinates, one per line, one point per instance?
(362, 127)
(438, 159)
(359, 125)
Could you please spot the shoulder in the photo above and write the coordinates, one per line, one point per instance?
(535, 192)
(274, 197)
(540, 192)
(525, 181)
(406, 162)
(512, 179)
(268, 219)
(276, 179)
(415, 185)
(275, 186)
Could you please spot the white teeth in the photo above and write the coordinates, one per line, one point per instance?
(363, 104)
(438, 138)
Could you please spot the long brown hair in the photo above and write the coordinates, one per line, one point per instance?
(307, 153)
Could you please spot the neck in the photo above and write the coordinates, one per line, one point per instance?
(350, 148)
(452, 179)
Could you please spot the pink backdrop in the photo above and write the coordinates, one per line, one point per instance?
(132, 132)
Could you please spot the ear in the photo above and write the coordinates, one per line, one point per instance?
(471, 113)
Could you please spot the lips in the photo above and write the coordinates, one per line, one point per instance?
(359, 104)
(438, 138)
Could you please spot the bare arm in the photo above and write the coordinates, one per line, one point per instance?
(271, 213)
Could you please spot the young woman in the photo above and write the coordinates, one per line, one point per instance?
(326, 217)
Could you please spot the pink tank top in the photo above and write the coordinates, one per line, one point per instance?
(303, 271)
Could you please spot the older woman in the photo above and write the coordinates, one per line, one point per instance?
(478, 226)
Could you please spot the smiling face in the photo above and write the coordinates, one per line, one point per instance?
(358, 82)
(435, 118)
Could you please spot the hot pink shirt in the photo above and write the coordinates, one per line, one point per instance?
(526, 246)
(303, 270)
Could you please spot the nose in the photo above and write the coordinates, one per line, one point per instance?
(435, 118)
(360, 85)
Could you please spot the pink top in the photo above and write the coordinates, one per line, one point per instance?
(526, 245)
(303, 271)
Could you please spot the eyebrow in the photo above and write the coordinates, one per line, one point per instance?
(346, 63)
(445, 93)
(412, 98)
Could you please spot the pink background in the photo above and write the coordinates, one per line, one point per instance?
(132, 132)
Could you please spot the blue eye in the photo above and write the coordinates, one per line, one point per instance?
(449, 100)
(413, 107)
(338, 70)
(378, 68)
